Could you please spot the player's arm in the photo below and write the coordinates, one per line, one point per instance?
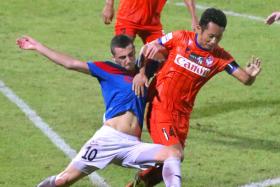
(64, 60)
(152, 51)
(247, 75)
(108, 11)
(191, 7)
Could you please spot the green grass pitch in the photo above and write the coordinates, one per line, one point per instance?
(234, 134)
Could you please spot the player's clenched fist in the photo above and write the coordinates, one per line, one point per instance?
(27, 42)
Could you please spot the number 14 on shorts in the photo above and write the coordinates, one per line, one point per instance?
(168, 134)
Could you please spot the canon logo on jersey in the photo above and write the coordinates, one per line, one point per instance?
(191, 66)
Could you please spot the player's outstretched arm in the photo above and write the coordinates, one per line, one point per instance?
(108, 11)
(275, 16)
(28, 43)
(191, 7)
(248, 75)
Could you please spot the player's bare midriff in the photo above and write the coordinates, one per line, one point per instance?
(126, 122)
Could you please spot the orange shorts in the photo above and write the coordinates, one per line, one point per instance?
(146, 33)
(167, 128)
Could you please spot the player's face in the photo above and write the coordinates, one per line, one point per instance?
(211, 36)
(125, 57)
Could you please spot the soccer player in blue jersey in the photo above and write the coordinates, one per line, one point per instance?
(118, 140)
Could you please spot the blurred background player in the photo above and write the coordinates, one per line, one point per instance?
(193, 58)
(141, 17)
(275, 16)
(118, 140)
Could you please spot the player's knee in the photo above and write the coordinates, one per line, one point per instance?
(176, 152)
(173, 152)
(170, 152)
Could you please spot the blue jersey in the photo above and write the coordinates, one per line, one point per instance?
(116, 86)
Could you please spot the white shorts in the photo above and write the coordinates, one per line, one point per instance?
(111, 146)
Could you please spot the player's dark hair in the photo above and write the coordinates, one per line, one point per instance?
(121, 41)
(212, 15)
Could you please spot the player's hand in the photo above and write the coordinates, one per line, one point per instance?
(253, 67)
(154, 51)
(28, 43)
(150, 51)
(138, 84)
(275, 16)
(108, 14)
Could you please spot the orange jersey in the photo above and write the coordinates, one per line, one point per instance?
(140, 12)
(186, 70)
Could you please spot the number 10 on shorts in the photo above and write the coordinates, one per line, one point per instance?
(90, 154)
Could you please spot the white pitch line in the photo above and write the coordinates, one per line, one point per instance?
(231, 13)
(268, 182)
(44, 127)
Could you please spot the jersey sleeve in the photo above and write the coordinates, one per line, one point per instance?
(169, 39)
(166, 40)
(225, 59)
(104, 70)
(173, 39)
(96, 69)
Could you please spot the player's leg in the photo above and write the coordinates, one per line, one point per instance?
(170, 130)
(143, 155)
(148, 34)
(69, 176)
(169, 171)
(93, 155)
(124, 28)
(48, 182)
(76, 170)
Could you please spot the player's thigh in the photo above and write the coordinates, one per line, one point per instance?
(174, 151)
(122, 28)
(143, 155)
(148, 35)
(166, 128)
(98, 151)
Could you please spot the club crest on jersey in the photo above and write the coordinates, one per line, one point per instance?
(209, 61)
(191, 66)
(201, 60)
(196, 58)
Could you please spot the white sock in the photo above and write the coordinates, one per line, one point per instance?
(48, 182)
(171, 172)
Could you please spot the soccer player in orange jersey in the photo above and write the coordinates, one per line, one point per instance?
(193, 58)
(141, 17)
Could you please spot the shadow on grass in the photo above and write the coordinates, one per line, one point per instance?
(238, 141)
(228, 138)
(226, 107)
